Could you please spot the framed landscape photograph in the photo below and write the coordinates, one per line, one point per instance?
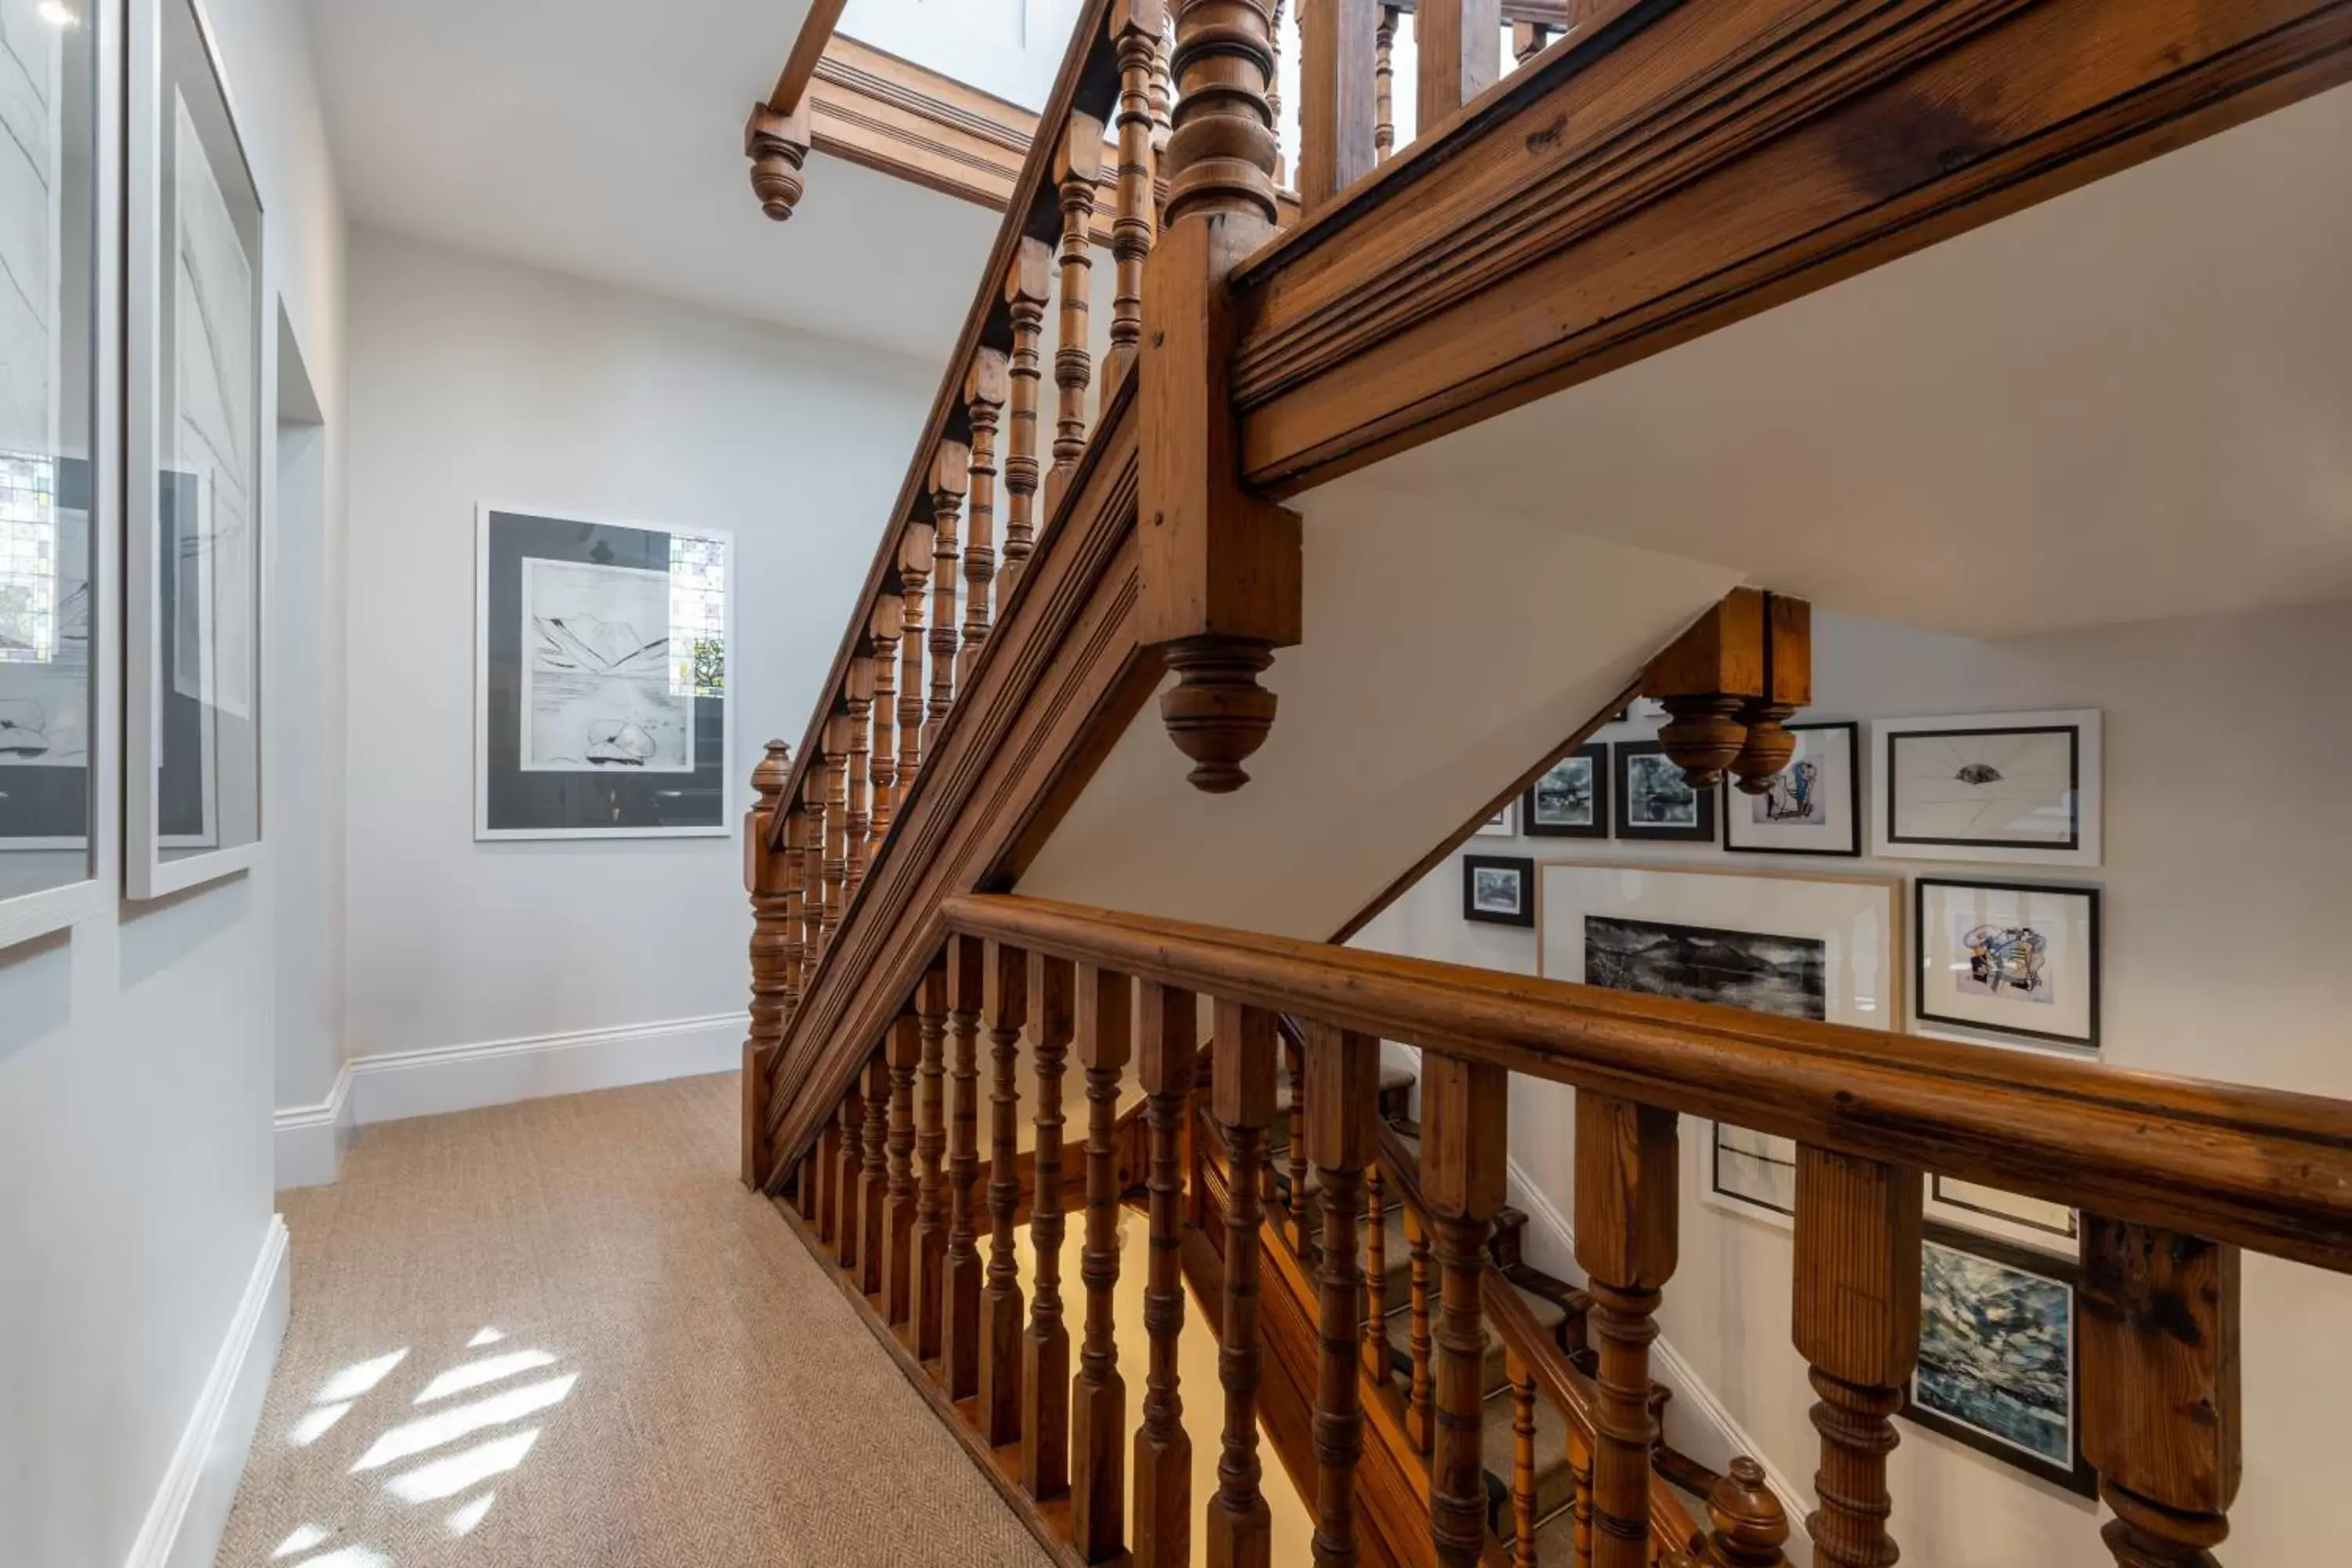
(1998, 1356)
(1812, 806)
(2009, 788)
(1795, 946)
(1654, 800)
(2013, 960)
(1504, 824)
(1498, 890)
(1572, 799)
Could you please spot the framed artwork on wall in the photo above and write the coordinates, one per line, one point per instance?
(1504, 824)
(195, 317)
(1799, 947)
(2013, 960)
(1812, 806)
(2008, 1216)
(1498, 890)
(1572, 799)
(601, 666)
(59, 497)
(1998, 1354)
(1654, 802)
(2008, 788)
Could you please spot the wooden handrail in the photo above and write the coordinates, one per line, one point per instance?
(2259, 1168)
(808, 47)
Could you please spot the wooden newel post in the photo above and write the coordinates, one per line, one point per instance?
(2161, 1419)
(768, 878)
(1221, 566)
(1464, 1140)
(1729, 683)
(1099, 1400)
(1627, 1180)
(1342, 1096)
(1240, 1526)
(1167, 1040)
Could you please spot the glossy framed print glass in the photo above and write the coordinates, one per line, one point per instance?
(58, 494)
(2004, 788)
(1812, 806)
(194, 497)
(2009, 959)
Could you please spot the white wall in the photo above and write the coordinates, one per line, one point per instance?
(2227, 885)
(135, 1054)
(473, 380)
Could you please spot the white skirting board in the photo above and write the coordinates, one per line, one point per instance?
(183, 1525)
(395, 1085)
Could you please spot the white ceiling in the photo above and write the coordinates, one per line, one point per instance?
(2131, 402)
(604, 138)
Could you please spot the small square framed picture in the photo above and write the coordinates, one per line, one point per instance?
(1654, 801)
(1812, 806)
(1572, 799)
(2013, 960)
(1498, 890)
(1504, 824)
(2012, 788)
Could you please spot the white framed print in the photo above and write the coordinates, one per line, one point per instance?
(2053, 1227)
(1812, 806)
(1504, 824)
(1793, 945)
(2003, 788)
(2009, 959)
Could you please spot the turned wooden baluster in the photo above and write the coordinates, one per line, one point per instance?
(1454, 45)
(902, 1053)
(813, 871)
(888, 620)
(1336, 107)
(1003, 1008)
(1625, 1217)
(1528, 39)
(2161, 1389)
(850, 1165)
(874, 1180)
(950, 472)
(1580, 1499)
(1135, 26)
(828, 1181)
(983, 392)
(1046, 1348)
(837, 821)
(1523, 1460)
(1273, 82)
(1857, 1323)
(1421, 1390)
(1376, 1279)
(1240, 1527)
(789, 870)
(771, 958)
(1749, 1526)
(1295, 1156)
(1341, 1084)
(1384, 84)
(927, 1305)
(1098, 1399)
(914, 580)
(857, 692)
(1464, 1130)
(960, 1349)
(1163, 95)
(1077, 169)
(1028, 285)
(1167, 1039)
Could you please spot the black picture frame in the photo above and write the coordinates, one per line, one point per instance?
(2078, 1476)
(1596, 753)
(1919, 955)
(1621, 759)
(1521, 867)
(1895, 739)
(1856, 828)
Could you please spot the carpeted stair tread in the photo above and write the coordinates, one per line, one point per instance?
(1554, 1482)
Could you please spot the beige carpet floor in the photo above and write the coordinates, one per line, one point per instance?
(561, 1333)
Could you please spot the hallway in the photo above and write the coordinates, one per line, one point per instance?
(559, 1332)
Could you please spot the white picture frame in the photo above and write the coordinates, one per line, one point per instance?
(2009, 960)
(1504, 824)
(1814, 807)
(1826, 947)
(2017, 789)
(2052, 1227)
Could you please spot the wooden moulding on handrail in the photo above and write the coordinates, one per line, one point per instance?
(2259, 1168)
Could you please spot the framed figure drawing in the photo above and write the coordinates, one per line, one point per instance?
(600, 679)
(2007, 788)
(1572, 799)
(1498, 890)
(1812, 806)
(2012, 960)
(1799, 947)
(1654, 802)
(193, 428)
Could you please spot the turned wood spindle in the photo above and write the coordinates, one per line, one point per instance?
(887, 622)
(915, 547)
(1376, 1281)
(1420, 1388)
(857, 826)
(1003, 1009)
(1028, 287)
(1523, 1460)
(1046, 1348)
(1336, 107)
(837, 741)
(902, 1051)
(1163, 94)
(1626, 1186)
(984, 391)
(788, 870)
(874, 1180)
(1580, 1499)
(1341, 1086)
(1273, 82)
(1135, 26)
(813, 814)
(950, 472)
(1384, 84)
(1455, 44)
(828, 1183)
(960, 1349)
(1077, 170)
(771, 954)
(849, 1170)
(1465, 1131)
(1857, 1324)
(1098, 1399)
(2162, 1418)
(1295, 1157)
(927, 1301)
(1167, 1041)
(1239, 1525)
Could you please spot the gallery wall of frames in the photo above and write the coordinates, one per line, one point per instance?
(2000, 945)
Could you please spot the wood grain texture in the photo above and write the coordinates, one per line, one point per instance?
(1239, 1527)
(1099, 1400)
(902, 1055)
(1046, 1347)
(1627, 1175)
(874, 1179)
(928, 1300)
(959, 1348)
(1453, 45)
(1336, 107)
(1003, 1008)
(1167, 1029)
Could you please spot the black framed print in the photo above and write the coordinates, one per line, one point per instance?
(1572, 799)
(1812, 806)
(1998, 1354)
(2010, 959)
(1498, 890)
(1654, 801)
(2009, 788)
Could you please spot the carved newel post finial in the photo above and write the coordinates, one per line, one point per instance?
(1750, 1526)
(777, 145)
